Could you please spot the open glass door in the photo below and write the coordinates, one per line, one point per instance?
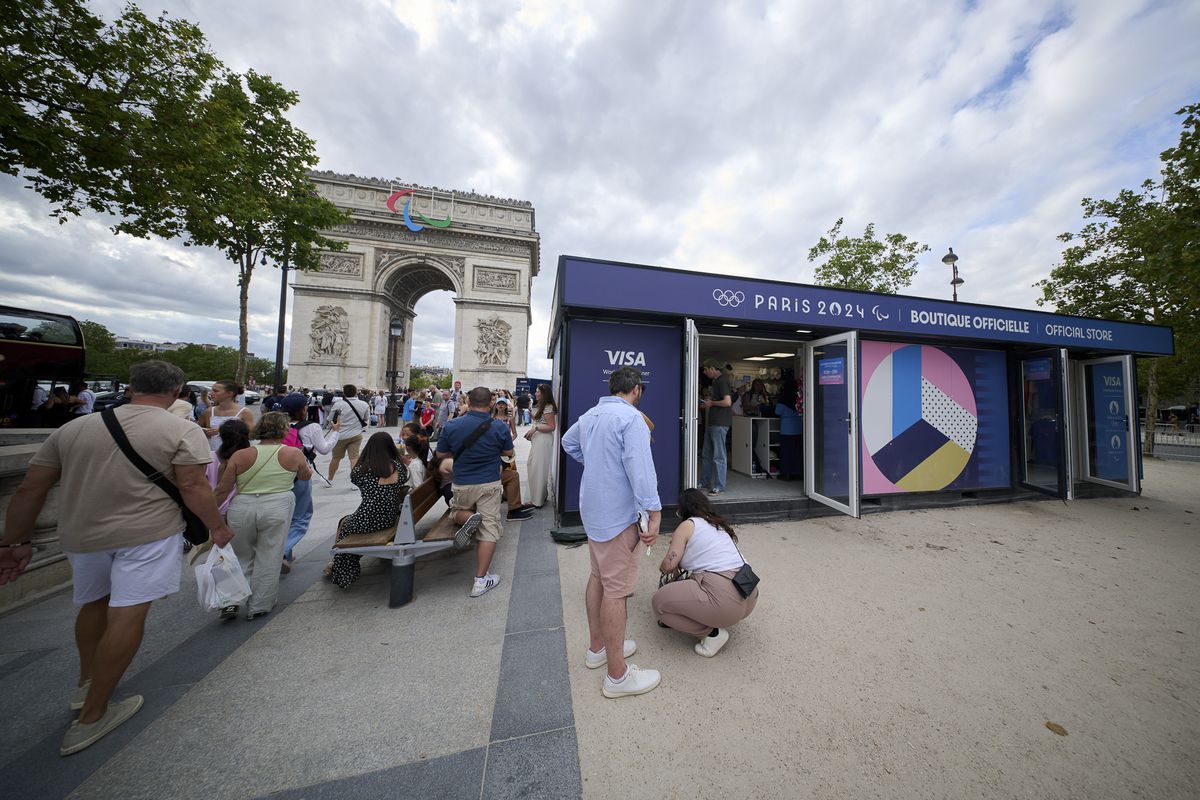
(1110, 425)
(690, 418)
(831, 421)
(1045, 441)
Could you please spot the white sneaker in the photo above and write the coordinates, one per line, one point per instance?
(709, 646)
(80, 736)
(636, 681)
(598, 660)
(80, 696)
(485, 584)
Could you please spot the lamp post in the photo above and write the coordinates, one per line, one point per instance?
(951, 261)
(395, 333)
(283, 273)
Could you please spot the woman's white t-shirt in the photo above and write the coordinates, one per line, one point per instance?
(416, 473)
(709, 550)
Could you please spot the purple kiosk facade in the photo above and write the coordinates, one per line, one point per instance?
(905, 401)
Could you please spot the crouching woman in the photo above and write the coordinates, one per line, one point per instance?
(705, 604)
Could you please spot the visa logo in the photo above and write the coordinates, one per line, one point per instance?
(626, 358)
(1112, 380)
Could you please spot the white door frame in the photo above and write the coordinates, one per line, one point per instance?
(690, 416)
(850, 339)
(1129, 390)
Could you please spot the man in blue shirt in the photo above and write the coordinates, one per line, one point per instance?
(612, 441)
(474, 444)
(410, 406)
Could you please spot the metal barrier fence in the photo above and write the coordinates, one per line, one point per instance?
(1188, 435)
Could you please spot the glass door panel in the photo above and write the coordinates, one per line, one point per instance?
(1045, 465)
(1109, 428)
(831, 422)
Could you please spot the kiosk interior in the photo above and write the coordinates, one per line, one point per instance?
(852, 400)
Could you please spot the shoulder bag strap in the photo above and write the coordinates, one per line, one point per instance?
(118, 434)
(362, 420)
(259, 467)
(473, 438)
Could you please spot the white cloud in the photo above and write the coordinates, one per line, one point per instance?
(711, 136)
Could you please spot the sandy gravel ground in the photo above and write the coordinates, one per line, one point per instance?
(921, 655)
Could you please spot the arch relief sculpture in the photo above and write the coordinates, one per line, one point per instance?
(330, 333)
(494, 344)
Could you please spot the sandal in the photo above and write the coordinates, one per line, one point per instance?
(328, 572)
(229, 612)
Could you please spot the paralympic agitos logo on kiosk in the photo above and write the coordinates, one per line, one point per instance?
(408, 211)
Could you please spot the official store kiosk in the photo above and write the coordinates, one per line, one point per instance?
(904, 401)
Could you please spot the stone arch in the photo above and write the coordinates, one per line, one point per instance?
(407, 277)
(483, 249)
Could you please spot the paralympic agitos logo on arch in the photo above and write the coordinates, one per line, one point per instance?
(408, 211)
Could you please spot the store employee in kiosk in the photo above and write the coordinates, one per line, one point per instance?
(713, 459)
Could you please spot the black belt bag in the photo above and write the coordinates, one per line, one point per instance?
(744, 580)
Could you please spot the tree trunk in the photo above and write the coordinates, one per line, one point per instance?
(245, 268)
(1151, 408)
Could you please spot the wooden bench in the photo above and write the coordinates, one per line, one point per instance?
(399, 543)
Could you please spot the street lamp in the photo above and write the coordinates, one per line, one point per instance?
(283, 278)
(951, 261)
(395, 333)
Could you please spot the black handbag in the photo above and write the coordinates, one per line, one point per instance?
(195, 530)
(744, 579)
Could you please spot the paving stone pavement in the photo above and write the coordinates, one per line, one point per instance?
(332, 695)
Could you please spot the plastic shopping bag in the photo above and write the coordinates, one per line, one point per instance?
(219, 580)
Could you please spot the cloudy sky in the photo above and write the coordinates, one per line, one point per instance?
(719, 136)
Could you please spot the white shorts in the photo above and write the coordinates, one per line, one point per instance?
(128, 576)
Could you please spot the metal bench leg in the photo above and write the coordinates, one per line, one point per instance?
(403, 572)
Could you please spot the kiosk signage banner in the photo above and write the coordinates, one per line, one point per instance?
(832, 371)
(598, 284)
(599, 348)
(1108, 410)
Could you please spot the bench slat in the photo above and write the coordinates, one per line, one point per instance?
(443, 530)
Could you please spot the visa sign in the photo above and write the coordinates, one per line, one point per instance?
(626, 358)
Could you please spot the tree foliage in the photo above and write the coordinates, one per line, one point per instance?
(864, 262)
(419, 379)
(102, 117)
(139, 120)
(198, 362)
(257, 202)
(1137, 258)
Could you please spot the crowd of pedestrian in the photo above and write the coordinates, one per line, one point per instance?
(249, 483)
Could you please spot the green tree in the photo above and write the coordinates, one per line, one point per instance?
(102, 117)
(422, 380)
(258, 202)
(864, 262)
(102, 357)
(1138, 259)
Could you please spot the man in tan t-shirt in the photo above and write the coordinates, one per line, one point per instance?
(120, 532)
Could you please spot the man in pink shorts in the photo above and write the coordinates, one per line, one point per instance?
(612, 442)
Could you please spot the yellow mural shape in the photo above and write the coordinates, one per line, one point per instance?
(937, 471)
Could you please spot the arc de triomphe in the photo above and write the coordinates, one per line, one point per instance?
(402, 243)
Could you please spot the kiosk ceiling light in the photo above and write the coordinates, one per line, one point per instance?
(728, 325)
(801, 330)
(756, 358)
(779, 355)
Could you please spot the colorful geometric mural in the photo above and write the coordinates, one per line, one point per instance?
(921, 423)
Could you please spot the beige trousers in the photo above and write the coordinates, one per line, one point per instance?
(260, 525)
(701, 602)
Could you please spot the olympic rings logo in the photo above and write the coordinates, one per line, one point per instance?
(728, 298)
